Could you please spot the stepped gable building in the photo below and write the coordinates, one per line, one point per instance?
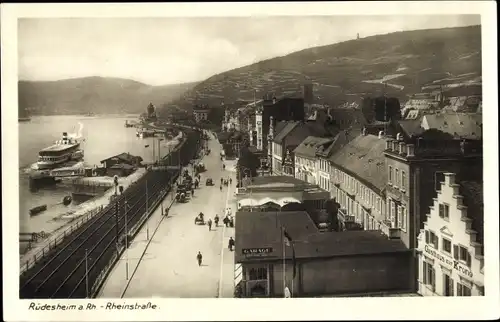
(450, 244)
(417, 160)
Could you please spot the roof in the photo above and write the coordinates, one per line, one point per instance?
(364, 158)
(467, 126)
(287, 128)
(472, 191)
(303, 130)
(59, 147)
(311, 145)
(347, 116)
(127, 157)
(279, 127)
(341, 139)
(122, 166)
(412, 127)
(263, 230)
(273, 181)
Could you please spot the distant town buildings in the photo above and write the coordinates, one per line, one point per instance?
(375, 171)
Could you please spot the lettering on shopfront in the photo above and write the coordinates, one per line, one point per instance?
(257, 251)
(450, 262)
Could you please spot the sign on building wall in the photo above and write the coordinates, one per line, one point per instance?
(455, 264)
(257, 251)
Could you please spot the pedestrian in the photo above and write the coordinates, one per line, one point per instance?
(226, 221)
(231, 243)
(220, 187)
(199, 257)
(216, 220)
(230, 180)
(209, 224)
(192, 192)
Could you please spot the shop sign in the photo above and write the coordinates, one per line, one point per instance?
(450, 262)
(257, 251)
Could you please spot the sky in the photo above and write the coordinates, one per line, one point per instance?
(160, 51)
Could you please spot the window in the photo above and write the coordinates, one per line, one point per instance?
(390, 174)
(403, 180)
(447, 245)
(403, 218)
(429, 276)
(447, 285)
(399, 221)
(258, 274)
(462, 254)
(431, 238)
(438, 178)
(394, 220)
(463, 290)
(397, 177)
(444, 211)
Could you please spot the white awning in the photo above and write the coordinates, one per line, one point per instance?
(259, 202)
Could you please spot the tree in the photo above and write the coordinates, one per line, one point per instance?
(247, 160)
(332, 208)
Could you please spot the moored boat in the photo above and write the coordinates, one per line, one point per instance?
(65, 150)
(37, 210)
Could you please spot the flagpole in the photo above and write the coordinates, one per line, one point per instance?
(284, 268)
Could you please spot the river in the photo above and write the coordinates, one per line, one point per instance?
(104, 136)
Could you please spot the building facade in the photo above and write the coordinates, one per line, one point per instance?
(306, 163)
(358, 179)
(200, 113)
(451, 261)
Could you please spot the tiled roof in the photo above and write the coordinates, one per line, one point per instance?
(364, 158)
(311, 145)
(263, 229)
(341, 139)
(279, 127)
(127, 157)
(347, 116)
(289, 126)
(468, 126)
(302, 131)
(411, 127)
(472, 192)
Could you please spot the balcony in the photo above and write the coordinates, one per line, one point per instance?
(392, 233)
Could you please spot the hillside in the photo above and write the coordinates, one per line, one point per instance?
(99, 95)
(405, 61)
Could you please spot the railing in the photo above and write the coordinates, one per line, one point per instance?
(131, 233)
(392, 233)
(52, 244)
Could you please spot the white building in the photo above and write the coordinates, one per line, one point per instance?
(307, 164)
(450, 251)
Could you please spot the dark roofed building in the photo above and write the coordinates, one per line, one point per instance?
(329, 263)
(122, 158)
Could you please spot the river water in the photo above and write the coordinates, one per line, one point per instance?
(104, 136)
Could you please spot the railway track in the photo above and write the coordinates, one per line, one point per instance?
(62, 273)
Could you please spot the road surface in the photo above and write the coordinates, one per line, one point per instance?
(169, 267)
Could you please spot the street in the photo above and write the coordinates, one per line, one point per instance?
(169, 266)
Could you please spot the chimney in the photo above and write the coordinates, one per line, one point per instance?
(410, 150)
(388, 144)
(395, 146)
(402, 148)
(449, 178)
(381, 134)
